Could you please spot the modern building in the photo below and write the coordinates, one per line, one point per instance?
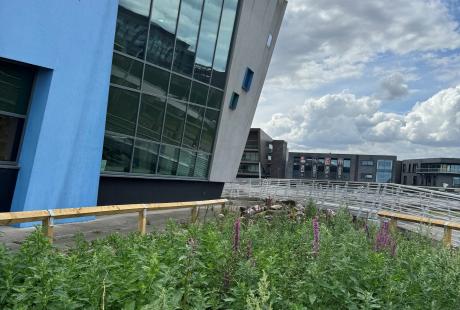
(127, 101)
(342, 167)
(263, 157)
(433, 172)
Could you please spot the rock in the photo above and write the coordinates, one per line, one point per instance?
(276, 207)
(299, 207)
(220, 215)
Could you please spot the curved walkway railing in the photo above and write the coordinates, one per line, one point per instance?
(363, 199)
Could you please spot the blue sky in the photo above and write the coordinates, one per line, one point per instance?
(366, 77)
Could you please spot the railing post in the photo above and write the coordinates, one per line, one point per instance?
(393, 224)
(194, 214)
(346, 194)
(142, 221)
(447, 238)
(48, 226)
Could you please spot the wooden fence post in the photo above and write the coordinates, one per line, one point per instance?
(142, 221)
(194, 214)
(48, 226)
(393, 224)
(447, 238)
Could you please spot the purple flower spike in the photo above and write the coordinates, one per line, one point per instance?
(236, 235)
(315, 236)
(384, 241)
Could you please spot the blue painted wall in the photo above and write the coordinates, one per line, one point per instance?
(72, 42)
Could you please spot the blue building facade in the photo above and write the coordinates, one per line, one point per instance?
(67, 47)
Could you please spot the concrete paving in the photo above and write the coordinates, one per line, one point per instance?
(12, 237)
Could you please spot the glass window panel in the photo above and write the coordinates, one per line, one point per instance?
(207, 40)
(145, 157)
(116, 155)
(180, 87)
(151, 117)
(223, 43)
(383, 177)
(209, 130)
(215, 98)
(187, 32)
(122, 111)
(186, 163)
(10, 137)
(202, 166)
(15, 86)
(169, 156)
(199, 93)
(193, 126)
(156, 81)
(174, 123)
(385, 165)
(132, 23)
(162, 32)
(126, 71)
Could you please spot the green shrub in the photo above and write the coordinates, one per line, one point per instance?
(197, 267)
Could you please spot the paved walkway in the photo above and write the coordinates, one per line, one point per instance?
(104, 225)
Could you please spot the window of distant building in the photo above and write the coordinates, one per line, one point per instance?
(414, 180)
(384, 171)
(367, 176)
(367, 162)
(456, 182)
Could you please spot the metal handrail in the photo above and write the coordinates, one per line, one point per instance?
(359, 197)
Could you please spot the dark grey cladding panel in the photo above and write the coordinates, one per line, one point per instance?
(127, 190)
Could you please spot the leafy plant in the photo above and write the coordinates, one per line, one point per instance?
(237, 264)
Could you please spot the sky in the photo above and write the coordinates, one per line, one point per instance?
(366, 76)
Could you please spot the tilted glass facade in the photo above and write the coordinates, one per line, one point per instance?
(166, 88)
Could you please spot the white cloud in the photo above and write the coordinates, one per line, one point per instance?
(345, 122)
(393, 86)
(435, 121)
(329, 40)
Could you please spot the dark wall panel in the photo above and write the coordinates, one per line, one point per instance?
(7, 184)
(119, 190)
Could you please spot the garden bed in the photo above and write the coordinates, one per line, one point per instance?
(321, 261)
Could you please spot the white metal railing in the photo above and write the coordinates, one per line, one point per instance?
(363, 199)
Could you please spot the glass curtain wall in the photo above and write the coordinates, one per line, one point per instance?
(384, 171)
(166, 88)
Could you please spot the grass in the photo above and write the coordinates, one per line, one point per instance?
(268, 264)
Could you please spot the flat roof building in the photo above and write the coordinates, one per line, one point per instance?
(342, 167)
(263, 157)
(433, 172)
(130, 101)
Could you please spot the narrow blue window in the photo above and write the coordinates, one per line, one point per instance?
(234, 101)
(248, 79)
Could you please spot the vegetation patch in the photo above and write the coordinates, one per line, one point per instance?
(321, 261)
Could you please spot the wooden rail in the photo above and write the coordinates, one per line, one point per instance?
(448, 226)
(47, 217)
